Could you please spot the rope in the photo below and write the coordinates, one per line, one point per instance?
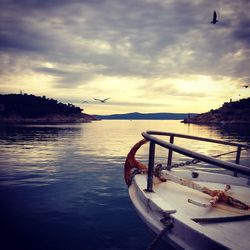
(158, 237)
(227, 153)
(217, 195)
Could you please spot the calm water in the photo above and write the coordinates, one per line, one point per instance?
(62, 187)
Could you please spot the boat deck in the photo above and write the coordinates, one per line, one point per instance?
(169, 191)
(225, 224)
(181, 205)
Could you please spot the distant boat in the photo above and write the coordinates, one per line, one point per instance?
(190, 209)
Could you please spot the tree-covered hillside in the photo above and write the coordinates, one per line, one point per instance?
(230, 113)
(30, 106)
(24, 108)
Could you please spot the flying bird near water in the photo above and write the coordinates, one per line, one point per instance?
(101, 100)
(214, 21)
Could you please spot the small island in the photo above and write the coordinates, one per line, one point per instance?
(28, 108)
(237, 112)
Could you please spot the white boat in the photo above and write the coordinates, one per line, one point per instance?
(191, 209)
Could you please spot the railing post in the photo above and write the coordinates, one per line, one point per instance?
(170, 151)
(237, 160)
(151, 162)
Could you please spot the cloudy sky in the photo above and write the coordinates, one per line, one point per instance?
(146, 55)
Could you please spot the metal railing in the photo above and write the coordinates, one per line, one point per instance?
(149, 135)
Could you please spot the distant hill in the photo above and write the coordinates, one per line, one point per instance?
(237, 112)
(145, 116)
(24, 108)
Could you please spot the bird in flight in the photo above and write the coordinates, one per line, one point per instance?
(85, 102)
(101, 100)
(214, 21)
(245, 84)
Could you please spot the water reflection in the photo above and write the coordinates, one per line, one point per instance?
(48, 152)
(62, 186)
(231, 133)
(33, 149)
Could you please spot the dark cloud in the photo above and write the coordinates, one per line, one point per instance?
(23, 40)
(53, 71)
(66, 78)
(43, 5)
(242, 31)
(136, 38)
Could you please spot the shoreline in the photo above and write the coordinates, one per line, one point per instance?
(217, 122)
(52, 119)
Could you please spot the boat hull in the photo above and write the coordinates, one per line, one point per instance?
(218, 227)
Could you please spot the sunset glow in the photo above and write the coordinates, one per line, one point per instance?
(147, 56)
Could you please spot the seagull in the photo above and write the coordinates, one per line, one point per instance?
(246, 85)
(214, 21)
(103, 101)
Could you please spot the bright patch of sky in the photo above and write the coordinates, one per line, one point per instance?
(146, 55)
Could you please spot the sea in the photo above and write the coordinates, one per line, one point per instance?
(62, 186)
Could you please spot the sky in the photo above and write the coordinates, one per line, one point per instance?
(145, 55)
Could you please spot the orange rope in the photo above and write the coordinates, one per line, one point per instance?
(218, 195)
